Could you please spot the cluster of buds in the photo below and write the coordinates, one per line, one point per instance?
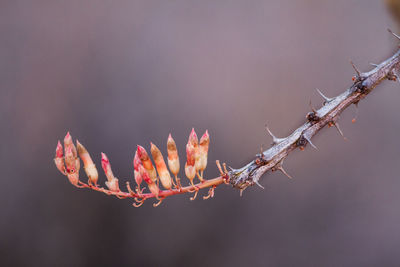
(157, 176)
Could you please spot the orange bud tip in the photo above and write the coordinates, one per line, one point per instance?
(353, 121)
(353, 78)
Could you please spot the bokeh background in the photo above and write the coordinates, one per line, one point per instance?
(121, 73)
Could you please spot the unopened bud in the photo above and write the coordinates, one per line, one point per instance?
(146, 162)
(88, 164)
(162, 170)
(190, 169)
(113, 185)
(193, 138)
(194, 141)
(69, 143)
(70, 161)
(146, 177)
(71, 157)
(173, 158)
(201, 162)
(105, 163)
(136, 164)
(59, 159)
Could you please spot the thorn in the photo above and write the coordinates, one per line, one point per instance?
(279, 167)
(257, 183)
(275, 140)
(373, 64)
(339, 130)
(327, 99)
(355, 68)
(309, 141)
(241, 191)
(395, 35)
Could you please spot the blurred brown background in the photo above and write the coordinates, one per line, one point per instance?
(121, 73)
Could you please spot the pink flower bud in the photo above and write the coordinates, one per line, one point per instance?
(205, 141)
(68, 143)
(201, 162)
(146, 162)
(59, 159)
(105, 163)
(173, 158)
(193, 140)
(88, 164)
(71, 157)
(162, 170)
(146, 177)
(136, 164)
(190, 169)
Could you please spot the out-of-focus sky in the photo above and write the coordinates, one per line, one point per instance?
(121, 73)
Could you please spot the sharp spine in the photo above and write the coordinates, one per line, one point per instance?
(275, 140)
(327, 99)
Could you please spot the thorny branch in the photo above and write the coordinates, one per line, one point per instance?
(272, 158)
(268, 160)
